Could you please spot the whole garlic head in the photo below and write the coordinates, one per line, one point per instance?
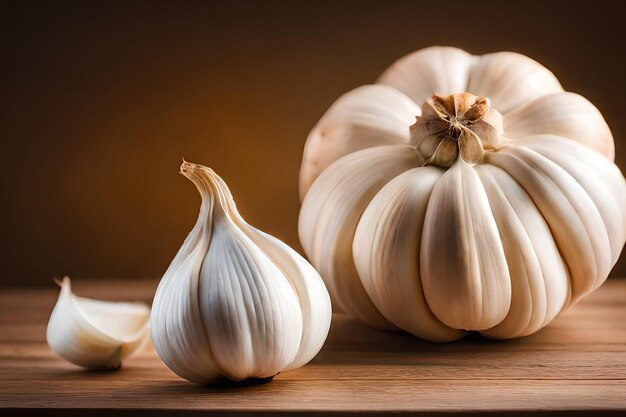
(236, 303)
(461, 192)
(95, 334)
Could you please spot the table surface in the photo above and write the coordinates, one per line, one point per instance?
(577, 363)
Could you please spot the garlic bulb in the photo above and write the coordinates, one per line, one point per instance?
(95, 334)
(460, 193)
(236, 303)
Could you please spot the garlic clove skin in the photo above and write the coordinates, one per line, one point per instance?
(236, 303)
(385, 251)
(565, 114)
(576, 223)
(96, 334)
(603, 182)
(330, 214)
(434, 70)
(510, 80)
(539, 277)
(608, 208)
(252, 321)
(371, 115)
(313, 296)
(469, 286)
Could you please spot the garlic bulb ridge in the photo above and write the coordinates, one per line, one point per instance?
(95, 334)
(235, 302)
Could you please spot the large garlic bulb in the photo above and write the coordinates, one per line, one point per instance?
(460, 193)
(236, 303)
(95, 334)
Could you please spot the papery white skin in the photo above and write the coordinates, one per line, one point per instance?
(96, 334)
(235, 302)
(495, 222)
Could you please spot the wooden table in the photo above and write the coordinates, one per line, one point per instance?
(577, 363)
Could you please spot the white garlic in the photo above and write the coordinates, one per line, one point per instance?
(461, 192)
(236, 303)
(95, 334)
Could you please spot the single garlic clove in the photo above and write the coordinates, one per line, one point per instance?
(465, 278)
(565, 114)
(236, 303)
(95, 334)
(439, 70)
(329, 218)
(510, 80)
(371, 115)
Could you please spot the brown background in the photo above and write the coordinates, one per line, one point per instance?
(100, 100)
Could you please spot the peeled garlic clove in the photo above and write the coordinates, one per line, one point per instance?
(95, 334)
(236, 303)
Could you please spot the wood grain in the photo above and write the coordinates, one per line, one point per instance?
(578, 363)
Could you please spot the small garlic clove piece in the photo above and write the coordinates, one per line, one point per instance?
(236, 303)
(95, 334)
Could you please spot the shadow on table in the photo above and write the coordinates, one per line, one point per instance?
(352, 341)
